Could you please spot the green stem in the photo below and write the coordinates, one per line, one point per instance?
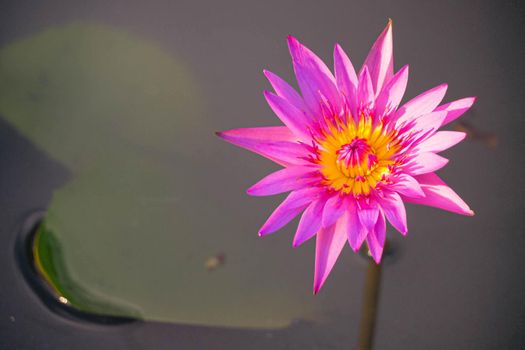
(370, 305)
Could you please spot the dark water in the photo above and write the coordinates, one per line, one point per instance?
(108, 112)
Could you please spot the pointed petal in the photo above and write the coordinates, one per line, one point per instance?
(368, 215)
(380, 59)
(376, 239)
(441, 141)
(329, 244)
(439, 195)
(365, 90)
(391, 95)
(427, 124)
(425, 163)
(277, 143)
(422, 104)
(333, 209)
(395, 212)
(284, 90)
(292, 206)
(407, 186)
(310, 222)
(261, 134)
(284, 180)
(456, 108)
(313, 76)
(355, 231)
(292, 117)
(345, 77)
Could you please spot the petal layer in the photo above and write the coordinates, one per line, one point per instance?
(380, 59)
(365, 90)
(284, 180)
(391, 95)
(439, 195)
(395, 212)
(422, 104)
(276, 143)
(350, 222)
(345, 77)
(456, 108)
(284, 90)
(329, 244)
(407, 186)
(376, 239)
(333, 210)
(294, 118)
(441, 141)
(310, 222)
(313, 76)
(426, 162)
(292, 206)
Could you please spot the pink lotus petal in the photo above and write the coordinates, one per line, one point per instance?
(276, 143)
(333, 209)
(350, 223)
(439, 195)
(284, 90)
(376, 239)
(391, 95)
(395, 212)
(310, 222)
(284, 180)
(329, 244)
(425, 163)
(441, 141)
(368, 215)
(422, 104)
(292, 206)
(427, 124)
(365, 90)
(456, 108)
(313, 76)
(380, 59)
(292, 117)
(345, 77)
(407, 186)
(262, 134)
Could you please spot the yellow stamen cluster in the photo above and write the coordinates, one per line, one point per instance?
(356, 156)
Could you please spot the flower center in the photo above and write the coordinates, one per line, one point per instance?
(356, 156)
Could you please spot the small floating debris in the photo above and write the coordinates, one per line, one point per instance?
(214, 262)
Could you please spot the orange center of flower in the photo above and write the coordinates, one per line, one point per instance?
(356, 157)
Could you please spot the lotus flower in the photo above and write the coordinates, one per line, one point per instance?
(351, 155)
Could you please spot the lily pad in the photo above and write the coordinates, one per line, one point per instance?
(132, 230)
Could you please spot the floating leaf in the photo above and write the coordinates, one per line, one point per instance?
(131, 232)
